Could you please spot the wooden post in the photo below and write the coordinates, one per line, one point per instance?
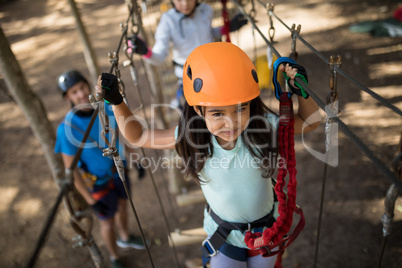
(89, 53)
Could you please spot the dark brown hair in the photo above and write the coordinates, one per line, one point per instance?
(194, 147)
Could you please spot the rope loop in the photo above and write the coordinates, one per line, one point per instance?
(334, 64)
(331, 97)
(294, 33)
(135, 29)
(252, 11)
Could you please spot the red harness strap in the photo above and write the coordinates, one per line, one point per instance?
(102, 193)
(274, 237)
(226, 22)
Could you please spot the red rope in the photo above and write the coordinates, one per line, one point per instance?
(274, 236)
(226, 22)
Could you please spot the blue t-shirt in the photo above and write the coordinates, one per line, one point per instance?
(69, 136)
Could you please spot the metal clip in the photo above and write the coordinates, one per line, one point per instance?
(112, 57)
(332, 97)
(294, 33)
(271, 31)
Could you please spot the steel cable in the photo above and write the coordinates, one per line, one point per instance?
(348, 77)
(62, 192)
(345, 129)
(114, 66)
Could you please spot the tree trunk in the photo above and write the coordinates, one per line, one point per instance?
(35, 112)
(31, 106)
(89, 53)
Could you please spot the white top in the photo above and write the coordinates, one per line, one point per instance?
(184, 34)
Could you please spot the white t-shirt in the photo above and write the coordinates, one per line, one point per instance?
(184, 34)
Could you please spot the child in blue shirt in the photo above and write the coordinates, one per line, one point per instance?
(96, 177)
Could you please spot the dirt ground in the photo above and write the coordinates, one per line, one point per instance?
(44, 39)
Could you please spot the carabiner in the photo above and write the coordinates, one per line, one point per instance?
(277, 86)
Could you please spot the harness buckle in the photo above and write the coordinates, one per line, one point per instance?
(265, 251)
(208, 249)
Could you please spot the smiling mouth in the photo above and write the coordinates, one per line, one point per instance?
(229, 132)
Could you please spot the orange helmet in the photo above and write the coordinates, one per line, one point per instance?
(219, 74)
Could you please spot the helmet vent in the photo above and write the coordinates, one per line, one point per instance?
(197, 85)
(189, 74)
(254, 74)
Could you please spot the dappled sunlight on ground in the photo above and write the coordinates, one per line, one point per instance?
(28, 208)
(7, 195)
(44, 39)
(384, 70)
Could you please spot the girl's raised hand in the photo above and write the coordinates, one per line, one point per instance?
(108, 87)
(291, 71)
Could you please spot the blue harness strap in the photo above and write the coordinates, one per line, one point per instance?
(233, 252)
(216, 242)
(279, 61)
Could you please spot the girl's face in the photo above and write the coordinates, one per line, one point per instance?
(226, 122)
(185, 6)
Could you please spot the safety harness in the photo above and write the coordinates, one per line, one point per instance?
(275, 235)
(210, 246)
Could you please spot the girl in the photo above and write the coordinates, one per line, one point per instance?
(227, 140)
(187, 25)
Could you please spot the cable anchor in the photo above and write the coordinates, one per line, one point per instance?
(271, 31)
(334, 64)
(294, 33)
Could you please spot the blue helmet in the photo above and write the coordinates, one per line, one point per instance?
(68, 79)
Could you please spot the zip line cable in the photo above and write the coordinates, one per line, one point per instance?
(98, 101)
(379, 164)
(77, 155)
(111, 150)
(372, 93)
(114, 67)
(345, 129)
(357, 83)
(46, 228)
(332, 103)
(141, 100)
(351, 79)
(332, 116)
(389, 204)
(64, 189)
(255, 27)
